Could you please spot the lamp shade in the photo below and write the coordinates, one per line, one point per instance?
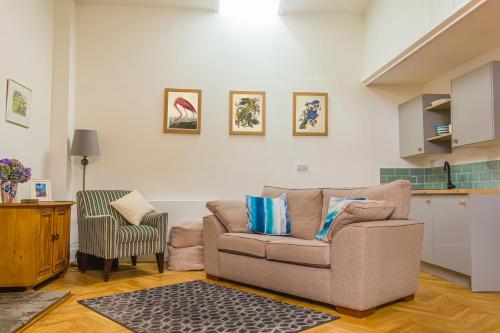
(85, 143)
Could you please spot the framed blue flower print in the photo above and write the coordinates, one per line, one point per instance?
(310, 114)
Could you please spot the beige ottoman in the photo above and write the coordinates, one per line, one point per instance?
(185, 248)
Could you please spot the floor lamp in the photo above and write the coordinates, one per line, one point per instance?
(85, 144)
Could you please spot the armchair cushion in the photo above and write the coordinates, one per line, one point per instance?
(136, 233)
(133, 207)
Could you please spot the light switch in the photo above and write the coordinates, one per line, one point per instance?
(302, 167)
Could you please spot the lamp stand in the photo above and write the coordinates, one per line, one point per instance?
(84, 162)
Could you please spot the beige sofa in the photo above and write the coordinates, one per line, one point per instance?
(365, 265)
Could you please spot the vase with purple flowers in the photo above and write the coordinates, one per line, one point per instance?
(12, 172)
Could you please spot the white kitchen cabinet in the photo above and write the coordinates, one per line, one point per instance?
(475, 106)
(462, 234)
(421, 210)
(451, 232)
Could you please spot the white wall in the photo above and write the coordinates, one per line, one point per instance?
(26, 57)
(128, 55)
(63, 98)
(394, 25)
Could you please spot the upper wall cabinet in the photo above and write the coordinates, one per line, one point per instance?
(417, 126)
(475, 106)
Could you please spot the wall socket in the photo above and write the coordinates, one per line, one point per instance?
(302, 167)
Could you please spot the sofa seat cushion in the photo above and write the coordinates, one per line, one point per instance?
(136, 233)
(253, 245)
(299, 251)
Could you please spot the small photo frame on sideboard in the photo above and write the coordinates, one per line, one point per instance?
(41, 189)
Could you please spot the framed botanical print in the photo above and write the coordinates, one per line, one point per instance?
(18, 107)
(310, 114)
(182, 112)
(41, 189)
(247, 112)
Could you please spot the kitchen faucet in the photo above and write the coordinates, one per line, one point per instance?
(447, 168)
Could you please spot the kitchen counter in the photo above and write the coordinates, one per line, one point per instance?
(457, 191)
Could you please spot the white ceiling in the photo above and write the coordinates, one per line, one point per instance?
(324, 6)
(286, 6)
(212, 5)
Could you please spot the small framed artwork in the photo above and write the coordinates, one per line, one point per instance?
(18, 107)
(41, 189)
(182, 111)
(310, 114)
(247, 112)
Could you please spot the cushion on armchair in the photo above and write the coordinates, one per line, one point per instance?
(232, 214)
(133, 207)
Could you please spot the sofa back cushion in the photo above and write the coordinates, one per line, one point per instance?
(232, 214)
(398, 192)
(343, 212)
(304, 206)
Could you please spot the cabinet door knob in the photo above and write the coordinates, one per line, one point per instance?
(57, 236)
(53, 237)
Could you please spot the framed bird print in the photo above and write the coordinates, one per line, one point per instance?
(182, 112)
(247, 113)
(310, 114)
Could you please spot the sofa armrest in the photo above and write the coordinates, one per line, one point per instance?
(376, 262)
(212, 229)
(97, 235)
(160, 222)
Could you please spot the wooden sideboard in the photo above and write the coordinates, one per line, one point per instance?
(34, 242)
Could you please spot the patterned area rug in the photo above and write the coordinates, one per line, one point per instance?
(200, 306)
(20, 308)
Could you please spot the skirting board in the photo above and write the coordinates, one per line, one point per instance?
(446, 274)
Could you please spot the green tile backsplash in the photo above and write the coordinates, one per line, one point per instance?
(481, 175)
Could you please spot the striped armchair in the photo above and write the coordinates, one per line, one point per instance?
(104, 233)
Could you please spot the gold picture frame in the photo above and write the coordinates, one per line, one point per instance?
(182, 111)
(310, 103)
(18, 104)
(251, 105)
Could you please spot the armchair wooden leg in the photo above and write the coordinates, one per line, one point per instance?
(134, 260)
(83, 259)
(108, 263)
(159, 260)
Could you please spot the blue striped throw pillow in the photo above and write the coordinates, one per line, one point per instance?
(335, 207)
(269, 216)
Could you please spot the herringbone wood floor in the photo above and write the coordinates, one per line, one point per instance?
(439, 306)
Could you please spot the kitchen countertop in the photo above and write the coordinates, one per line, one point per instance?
(457, 191)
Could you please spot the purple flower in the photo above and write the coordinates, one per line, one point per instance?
(6, 161)
(14, 171)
